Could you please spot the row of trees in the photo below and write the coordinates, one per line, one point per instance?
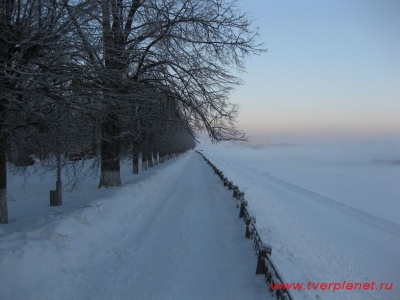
(117, 77)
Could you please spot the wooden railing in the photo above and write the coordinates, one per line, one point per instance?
(265, 266)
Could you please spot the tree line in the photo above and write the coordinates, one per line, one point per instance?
(116, 78)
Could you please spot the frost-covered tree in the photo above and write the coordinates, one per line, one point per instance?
(32, 36)
(185, 46)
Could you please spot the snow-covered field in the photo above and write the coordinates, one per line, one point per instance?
(170, 233)
(330, 212)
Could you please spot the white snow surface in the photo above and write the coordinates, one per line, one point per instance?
(170, 233)
(330, 212)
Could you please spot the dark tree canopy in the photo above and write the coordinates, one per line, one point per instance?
(117, 78)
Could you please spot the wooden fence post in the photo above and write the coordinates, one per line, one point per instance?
(249, 222)
(243, 205)
(263, 251)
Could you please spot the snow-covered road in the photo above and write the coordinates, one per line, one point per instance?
(174, 235)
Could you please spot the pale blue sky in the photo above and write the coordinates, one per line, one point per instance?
(332, 69)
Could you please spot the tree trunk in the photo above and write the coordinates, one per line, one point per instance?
(3, 168)
(110, 149)
(144, 161)
(115, 66)
(135, 160)
(151, 160)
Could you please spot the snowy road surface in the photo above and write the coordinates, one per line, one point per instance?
(174, 235)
